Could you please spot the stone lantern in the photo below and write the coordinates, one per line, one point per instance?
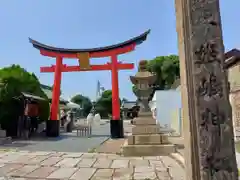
(147, 139)
(143, 81)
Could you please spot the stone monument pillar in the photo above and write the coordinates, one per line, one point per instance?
(146, 138)
(208, 130)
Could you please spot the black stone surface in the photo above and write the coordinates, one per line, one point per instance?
(116, 129)
(138, 40)
(53, 127)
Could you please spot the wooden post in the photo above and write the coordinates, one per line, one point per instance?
(116, 124)
(53, 124)
(115, 89)
(208, 131)
(56, 89)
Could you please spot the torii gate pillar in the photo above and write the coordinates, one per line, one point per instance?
(116, 125)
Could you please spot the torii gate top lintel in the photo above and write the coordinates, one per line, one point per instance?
(120, 48)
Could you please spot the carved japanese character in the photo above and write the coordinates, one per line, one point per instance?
(210, 86)
(200, 4)
(207, 53)
(215, 86)
(209, 117)
(203, 15)
(213, 160)
(225, 175)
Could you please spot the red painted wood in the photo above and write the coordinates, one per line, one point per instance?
(115, 89)
(99, 54)
(103, 67)
(56, 89)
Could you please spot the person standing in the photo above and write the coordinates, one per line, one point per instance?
(26, 120)
(63, 117)
(154, 113)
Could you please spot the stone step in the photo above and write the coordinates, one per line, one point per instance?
(144, 121)
(145, 114)
(2, 133)
(148, 139)
(5, 140)
(147, 150)
(147, 129)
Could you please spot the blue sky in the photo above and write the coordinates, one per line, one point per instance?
(93, 23)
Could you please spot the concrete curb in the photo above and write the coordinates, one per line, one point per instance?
(179, 158)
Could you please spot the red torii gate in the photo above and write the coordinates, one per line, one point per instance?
(83, 55)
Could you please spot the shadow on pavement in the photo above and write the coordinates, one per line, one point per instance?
(17, 144)
(66, 142)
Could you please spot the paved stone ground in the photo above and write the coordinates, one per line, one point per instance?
(68, 142)
(111, 146)
(114, 145)
(181, 152)
(23, 165)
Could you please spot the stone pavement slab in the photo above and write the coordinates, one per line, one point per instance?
(120, 163)
(176, 171)
(51, 161)
(23, 159)
(145, 175)
(23, 171)
(68, 162)
(10, 157)
(42, 172)
(102, 163)
(8, 168)
(103, 173)
(83, 174)
(87, 166)
(37, 160)
(123, 173)
(86, 162)
(139, 162)
(62, 173)
(72, 155)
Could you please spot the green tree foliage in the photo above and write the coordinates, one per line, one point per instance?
(15, 80)
(134, 89)
(104, 104)
(167, 70)
(84, 102)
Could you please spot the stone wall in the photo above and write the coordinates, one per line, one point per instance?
(176, 121)
(235, 103)
(234, 96)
